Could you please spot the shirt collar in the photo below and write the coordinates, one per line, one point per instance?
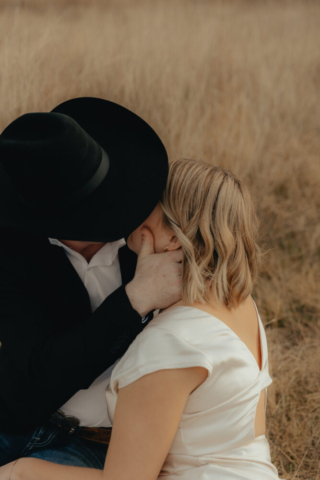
(104, 257)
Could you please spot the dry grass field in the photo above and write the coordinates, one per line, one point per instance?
(235, 83)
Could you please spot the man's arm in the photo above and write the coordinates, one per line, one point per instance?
(41, 369)
(49, 358)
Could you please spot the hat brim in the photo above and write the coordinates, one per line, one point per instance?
(126, 197)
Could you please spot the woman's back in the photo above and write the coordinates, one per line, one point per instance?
(217, 435)
(244, 321)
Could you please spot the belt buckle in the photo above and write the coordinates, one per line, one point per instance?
(65, 422)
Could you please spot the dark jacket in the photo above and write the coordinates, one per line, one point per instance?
(52, 345)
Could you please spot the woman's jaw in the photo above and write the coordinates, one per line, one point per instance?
(164, 237)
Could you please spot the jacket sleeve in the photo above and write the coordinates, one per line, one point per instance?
(59, 363)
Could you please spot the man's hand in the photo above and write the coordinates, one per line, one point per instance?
(157, 281)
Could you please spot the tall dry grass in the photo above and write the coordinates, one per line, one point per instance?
(235, 83)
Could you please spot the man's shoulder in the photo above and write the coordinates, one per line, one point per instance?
(12, 239)
(18, 248)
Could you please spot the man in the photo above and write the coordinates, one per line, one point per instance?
(74, 183)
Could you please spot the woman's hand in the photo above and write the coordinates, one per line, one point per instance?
(35, 469)
(15, 470)
(6, 470)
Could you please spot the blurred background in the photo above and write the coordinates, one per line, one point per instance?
(234, 83)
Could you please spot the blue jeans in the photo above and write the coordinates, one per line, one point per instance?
(55, 445)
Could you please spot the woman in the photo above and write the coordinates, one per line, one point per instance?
(188, 398)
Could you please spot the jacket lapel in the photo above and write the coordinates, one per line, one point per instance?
(64, 282)
(128, 263)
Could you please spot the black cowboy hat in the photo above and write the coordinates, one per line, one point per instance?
(90, 170)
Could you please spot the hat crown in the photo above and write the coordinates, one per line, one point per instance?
(94, 172)
(47, 157)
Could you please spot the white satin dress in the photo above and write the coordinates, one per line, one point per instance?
(215, 439)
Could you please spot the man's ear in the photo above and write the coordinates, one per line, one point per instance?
(174, 243)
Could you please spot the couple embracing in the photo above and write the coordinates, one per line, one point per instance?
(131, 348)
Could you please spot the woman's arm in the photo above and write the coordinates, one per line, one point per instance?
(147, 416)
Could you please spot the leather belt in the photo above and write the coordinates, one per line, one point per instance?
(71, 424)
(99, 435)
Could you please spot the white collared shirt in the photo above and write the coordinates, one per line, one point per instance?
(101, 277)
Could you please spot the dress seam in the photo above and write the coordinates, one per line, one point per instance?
(138, 372)
(186, 341)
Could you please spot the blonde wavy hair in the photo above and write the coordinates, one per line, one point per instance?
(211, 213)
